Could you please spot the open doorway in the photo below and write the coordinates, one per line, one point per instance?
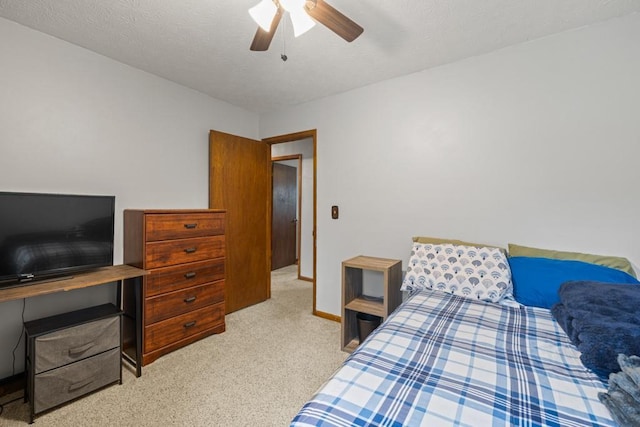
(240, 183)
(293, 206)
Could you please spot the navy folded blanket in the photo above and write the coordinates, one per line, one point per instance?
(602, 320)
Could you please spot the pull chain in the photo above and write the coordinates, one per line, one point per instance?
(283, 55)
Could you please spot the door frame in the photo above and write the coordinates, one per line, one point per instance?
(298, 205)
(292, 137)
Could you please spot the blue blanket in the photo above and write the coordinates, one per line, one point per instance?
(623, 397)
(602, 320)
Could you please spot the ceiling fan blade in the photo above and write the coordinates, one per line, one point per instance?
(328, 16)
(262, 39)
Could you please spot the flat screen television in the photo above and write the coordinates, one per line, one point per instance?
(44, 236)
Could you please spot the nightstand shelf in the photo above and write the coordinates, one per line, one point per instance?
(375, 307)
(354, 301)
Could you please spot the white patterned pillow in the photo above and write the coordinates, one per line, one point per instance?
(416, 277)
(479, 273)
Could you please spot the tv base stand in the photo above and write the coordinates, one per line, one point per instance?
(101, 276)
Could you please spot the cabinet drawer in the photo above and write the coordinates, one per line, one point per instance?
(174, 303)
(182, 226)
(169, 279)
(172, 330)
(171, 252)
(60, 385)
(76, 343)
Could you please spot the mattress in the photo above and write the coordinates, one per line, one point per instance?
(443, 360)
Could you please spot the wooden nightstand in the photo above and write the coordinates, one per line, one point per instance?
(353, 300)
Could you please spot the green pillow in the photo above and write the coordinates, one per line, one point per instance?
(617, 263)
(437, 240)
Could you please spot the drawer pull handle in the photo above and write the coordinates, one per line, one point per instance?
(190, 250)
(190, 226)
(190, 324)
(76, 351)
(189, 299)
(190, 275)
(79, 385)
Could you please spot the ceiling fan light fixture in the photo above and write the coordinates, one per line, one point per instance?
(301, 22)
(304, 15)
(263, 14)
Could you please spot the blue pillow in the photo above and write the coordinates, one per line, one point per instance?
(536, 280)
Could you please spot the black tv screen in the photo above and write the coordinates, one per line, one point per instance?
(50, 235)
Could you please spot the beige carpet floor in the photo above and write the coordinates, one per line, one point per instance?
(271, 359)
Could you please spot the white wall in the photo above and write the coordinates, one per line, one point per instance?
(537, 144)
(72, 121)
(305, 148)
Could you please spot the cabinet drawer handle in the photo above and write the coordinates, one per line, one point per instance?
(190, 226)
(79, 385)
(190, 324)
(79, 350)
(190, 250)
(189, 299)
(190, 275)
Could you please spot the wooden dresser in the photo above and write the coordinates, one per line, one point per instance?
(183, 295)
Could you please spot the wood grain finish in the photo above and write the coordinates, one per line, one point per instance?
(334, 20)
(283, 216)
(183, 294)
(240, 183)
(167, 279)
(95, 277)
(262, 39)
(188, 339)
(180, 327)
(177, 226)
(181, 251)
(353, 300)
(172, 304)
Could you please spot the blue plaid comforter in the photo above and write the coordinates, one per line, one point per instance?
(443, 360)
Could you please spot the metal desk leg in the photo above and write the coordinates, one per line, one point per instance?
(133, 322)
(138, 290)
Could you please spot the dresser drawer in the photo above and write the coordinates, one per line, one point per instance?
(183, 226)
(75, 343)
(68, 382)
(169, 279)
(175, 303)
(171, 252)
(172, 330)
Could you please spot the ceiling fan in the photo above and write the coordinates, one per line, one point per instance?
(268, 13)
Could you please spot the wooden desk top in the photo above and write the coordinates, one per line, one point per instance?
(96, 277)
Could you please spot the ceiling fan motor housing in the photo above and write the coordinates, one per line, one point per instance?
(308, 4)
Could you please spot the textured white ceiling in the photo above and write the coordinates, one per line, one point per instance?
(204, 44)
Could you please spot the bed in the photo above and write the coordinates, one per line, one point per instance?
(443, 359)
(433, 363)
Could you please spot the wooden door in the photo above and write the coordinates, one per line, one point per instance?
(240, 182)
(283, 217)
